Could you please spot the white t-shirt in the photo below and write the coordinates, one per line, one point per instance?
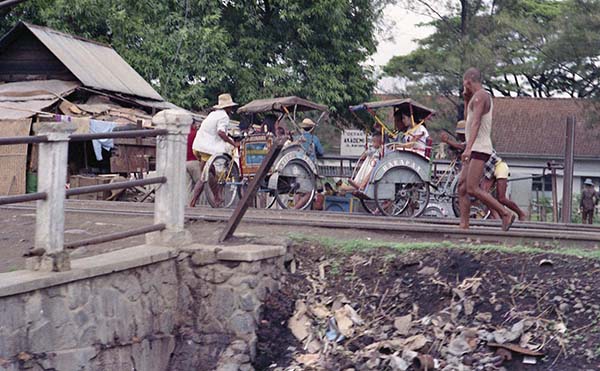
(207, 138)
(421, 144)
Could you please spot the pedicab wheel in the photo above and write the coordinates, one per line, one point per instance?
(478, 208)
(296, 183)
(401, 192)
(224, 181)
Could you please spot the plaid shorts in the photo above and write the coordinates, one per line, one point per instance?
(490, 166)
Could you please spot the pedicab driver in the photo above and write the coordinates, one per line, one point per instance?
(313, 148)
(212, 138)
(478, 150)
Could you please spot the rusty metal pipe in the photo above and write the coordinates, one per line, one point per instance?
(119, 134)
(119, 185)
(23, 140)
(115, 236)
(5, 200)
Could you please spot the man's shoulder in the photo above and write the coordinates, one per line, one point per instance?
(482, 95)
(216, 115)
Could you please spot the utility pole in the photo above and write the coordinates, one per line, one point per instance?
(567, 200)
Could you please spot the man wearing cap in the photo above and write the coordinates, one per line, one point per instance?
(212, 138)
(310, 142)
(313, 148)
(589, 200)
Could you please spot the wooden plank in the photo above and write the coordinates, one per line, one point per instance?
(244, 203)
(13, 158)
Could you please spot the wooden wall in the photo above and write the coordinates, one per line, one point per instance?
(26, 58)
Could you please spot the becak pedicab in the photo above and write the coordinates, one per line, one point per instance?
(398, 185)
(292, 181)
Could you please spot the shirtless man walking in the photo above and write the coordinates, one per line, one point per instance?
(479, 107)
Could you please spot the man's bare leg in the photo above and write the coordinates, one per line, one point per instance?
(501, 185)
(300, 200)
(464, 202)
(473, 189)
(486, 185)
(199, 187)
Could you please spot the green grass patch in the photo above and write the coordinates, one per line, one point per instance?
(357, 245)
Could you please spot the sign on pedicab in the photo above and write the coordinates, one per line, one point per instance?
(253, 151)
(353, 143)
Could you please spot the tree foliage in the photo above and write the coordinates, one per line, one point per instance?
(192, 50)
(524, 47)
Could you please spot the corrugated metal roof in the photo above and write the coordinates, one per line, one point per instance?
(96, 65)
(20, 100)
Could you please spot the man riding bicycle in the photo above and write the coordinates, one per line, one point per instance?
(212, 138)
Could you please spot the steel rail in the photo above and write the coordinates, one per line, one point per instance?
(115, 236)
(74, 205)
(118, 185)
(6, 200)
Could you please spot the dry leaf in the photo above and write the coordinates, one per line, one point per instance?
(307, 359)
(427, 271)
(415, 342)
(403, 324)
(344, 322)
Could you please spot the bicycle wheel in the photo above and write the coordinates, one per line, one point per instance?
(478, 209)
(222, 188)
(296, 184)
(401, 192)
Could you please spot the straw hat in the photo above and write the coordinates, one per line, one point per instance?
(460, 127)
(588, 181)
(307, 124)
(225, 101)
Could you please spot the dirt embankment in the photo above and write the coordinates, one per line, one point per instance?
(378, 309)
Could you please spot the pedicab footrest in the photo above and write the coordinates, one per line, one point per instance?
(342, 204)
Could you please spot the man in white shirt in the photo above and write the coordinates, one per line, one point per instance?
(212, 138)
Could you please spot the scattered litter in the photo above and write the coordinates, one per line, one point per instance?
(462, 326)
(398, 364)
(546, 262)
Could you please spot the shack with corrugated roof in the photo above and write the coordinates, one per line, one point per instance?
(47, 75)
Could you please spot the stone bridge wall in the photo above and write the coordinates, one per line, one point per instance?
(144, 308)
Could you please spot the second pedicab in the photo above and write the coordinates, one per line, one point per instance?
(398, 183)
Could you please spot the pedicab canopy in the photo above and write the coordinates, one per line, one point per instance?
(291, 103)
(406, 106)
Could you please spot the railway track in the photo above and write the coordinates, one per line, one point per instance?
(487, 230)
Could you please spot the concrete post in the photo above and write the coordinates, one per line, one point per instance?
(50, 215)
(169, 204)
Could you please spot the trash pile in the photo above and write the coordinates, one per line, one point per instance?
(471, 328)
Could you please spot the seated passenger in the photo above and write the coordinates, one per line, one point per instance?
(411, 137)
(370, 158)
